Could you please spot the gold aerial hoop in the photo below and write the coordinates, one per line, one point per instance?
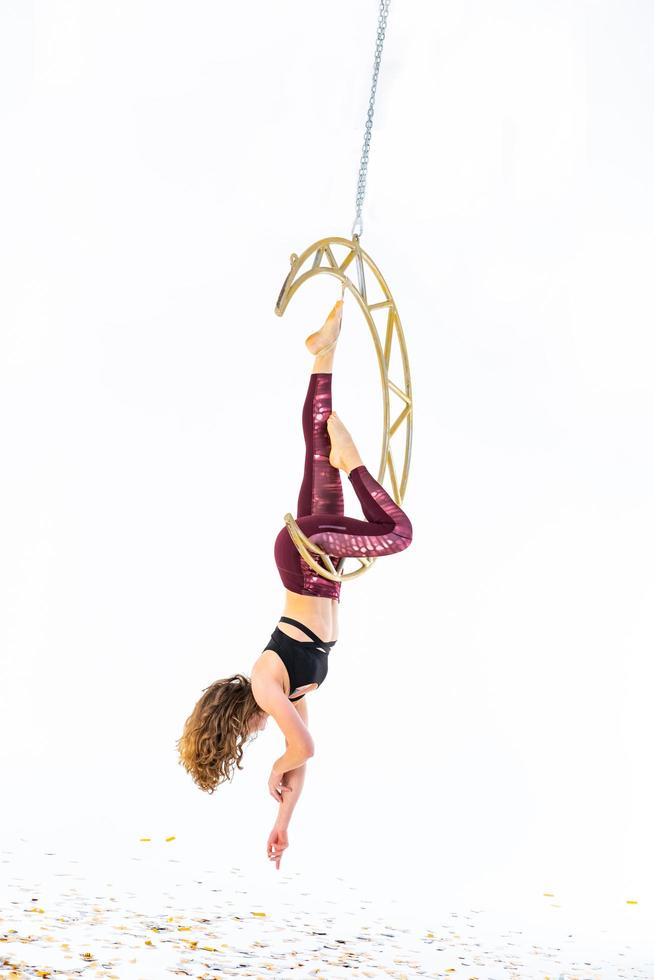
(318, 259)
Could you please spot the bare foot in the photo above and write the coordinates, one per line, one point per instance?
(344, 454)
(329, 330)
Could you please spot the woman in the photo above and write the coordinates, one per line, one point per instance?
(234, 709)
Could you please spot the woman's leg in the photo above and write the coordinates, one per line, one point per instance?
(321, 491)
(320, 502)
(386, 530)
(320, 510)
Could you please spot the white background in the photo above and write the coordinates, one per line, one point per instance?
(487, 724)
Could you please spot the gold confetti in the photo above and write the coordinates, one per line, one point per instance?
(170, 838)
(259, 913)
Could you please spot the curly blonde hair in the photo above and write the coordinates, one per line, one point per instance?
(215, 732)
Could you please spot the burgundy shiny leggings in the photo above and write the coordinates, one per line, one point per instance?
(320, 506)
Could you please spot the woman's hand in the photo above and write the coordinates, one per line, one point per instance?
(276, 786)
(277, 843)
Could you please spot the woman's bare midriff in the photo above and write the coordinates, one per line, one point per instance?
(320, 615)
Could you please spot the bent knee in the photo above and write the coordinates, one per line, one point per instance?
(404, 529)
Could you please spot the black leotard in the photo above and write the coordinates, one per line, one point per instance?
(305, 660)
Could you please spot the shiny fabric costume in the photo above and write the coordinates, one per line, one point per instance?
(320, 506)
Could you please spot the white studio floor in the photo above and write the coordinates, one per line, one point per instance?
(154, 911)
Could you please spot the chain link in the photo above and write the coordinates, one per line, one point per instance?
(357, 227)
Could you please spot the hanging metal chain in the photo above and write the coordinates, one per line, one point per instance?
(357, 227)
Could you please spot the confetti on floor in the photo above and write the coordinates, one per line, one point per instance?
(158, 916)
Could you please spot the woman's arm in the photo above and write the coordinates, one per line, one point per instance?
(295, 780)
(295, 777)
(278, 840)
(269, 695)
(278, 837)
(293, 758)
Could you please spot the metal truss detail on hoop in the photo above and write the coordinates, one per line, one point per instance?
(319, 259)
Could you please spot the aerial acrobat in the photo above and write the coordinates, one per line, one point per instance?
(234, 709)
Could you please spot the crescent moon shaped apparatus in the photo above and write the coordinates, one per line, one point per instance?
(318, 259)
